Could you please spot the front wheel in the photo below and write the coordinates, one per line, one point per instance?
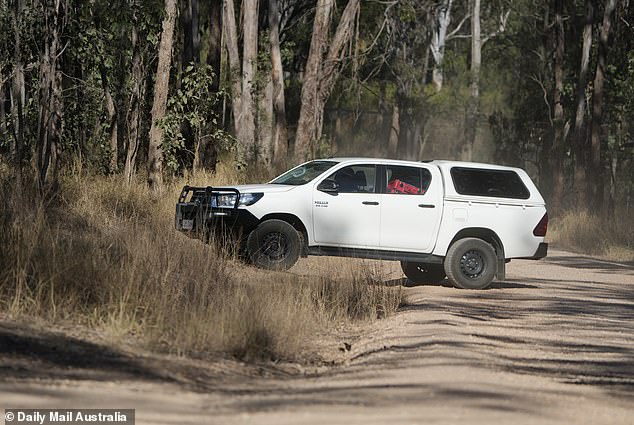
(471, 263)
(274, 245)
(423, 273)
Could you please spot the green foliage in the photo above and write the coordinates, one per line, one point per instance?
(193, 104)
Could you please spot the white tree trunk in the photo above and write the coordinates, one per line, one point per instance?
(231, 40)
(438, 40)
(280, 132)
(246, 133)
(471, 120)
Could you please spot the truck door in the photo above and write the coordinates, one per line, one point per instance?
(350, 215)
(411, 207)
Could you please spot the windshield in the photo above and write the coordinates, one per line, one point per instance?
(304, 173)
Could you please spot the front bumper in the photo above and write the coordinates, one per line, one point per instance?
(196, 214)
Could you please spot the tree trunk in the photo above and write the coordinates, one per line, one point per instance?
(556, 157)
(231, 40)
(113, 123)
(597, 106)
(320, 75)
(395, 130)
(4, 125)
(473, 106)
(307, 132)
(191, 39)
(266, 125)
(280, 132)
(246, 133)
(18, 93)
(215, 41)
(134, 105)
(545, 150)
(47, 153)
(438, 39)
(579, 134)
(195, 12)
(161, 86)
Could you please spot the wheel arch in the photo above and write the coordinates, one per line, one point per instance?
(294, 221)
(489, 236)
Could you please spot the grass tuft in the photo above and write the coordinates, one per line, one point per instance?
(591, 234)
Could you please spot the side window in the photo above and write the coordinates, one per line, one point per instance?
(491, 183)
(355, 179)
(407, 180)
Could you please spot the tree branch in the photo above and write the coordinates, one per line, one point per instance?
(453, 34)
(501, 28)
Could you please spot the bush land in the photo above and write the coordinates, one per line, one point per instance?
(103, 254)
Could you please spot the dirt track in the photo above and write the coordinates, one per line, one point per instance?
(554, 343)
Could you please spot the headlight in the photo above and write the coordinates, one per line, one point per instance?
(229, 200)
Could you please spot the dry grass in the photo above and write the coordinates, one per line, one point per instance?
(591, 234)
(104, 254)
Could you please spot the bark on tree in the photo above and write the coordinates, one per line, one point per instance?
(4, 126)
(395, 130)
(215, 41)
(161, 86)
(557, 155)
(438, 39)
(18, 92)
(308, 118)
(134, 104)
(473, 106)
(231, 40)
(246, 133)
(265, 123)
(113, 123)
(545, 171)
(280, 132)
(191, 38)
(579, 133)
(50, 98)
(321, 74)
(597, 105)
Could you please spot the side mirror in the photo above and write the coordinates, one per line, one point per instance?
(329, 186)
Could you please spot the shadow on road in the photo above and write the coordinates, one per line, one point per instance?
(587, 263)
(29, 353)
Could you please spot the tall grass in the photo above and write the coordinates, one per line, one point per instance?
(612, 238)
(103, 254)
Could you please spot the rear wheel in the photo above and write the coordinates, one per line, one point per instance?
(274, 245)
(423, 273)
(471, 263)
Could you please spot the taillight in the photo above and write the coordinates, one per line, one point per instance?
(542, 226)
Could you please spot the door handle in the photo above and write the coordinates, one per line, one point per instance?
(370, 203)
(427, 205)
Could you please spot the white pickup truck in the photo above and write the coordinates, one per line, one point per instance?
(440, 219)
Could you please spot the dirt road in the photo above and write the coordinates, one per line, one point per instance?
(554, 343)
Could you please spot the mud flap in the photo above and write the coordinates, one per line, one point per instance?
(501, 273)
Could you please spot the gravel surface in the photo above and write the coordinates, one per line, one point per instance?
(554, 343)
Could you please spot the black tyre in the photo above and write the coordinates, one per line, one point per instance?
(471, 263)
(423, 273)
(274, 245)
